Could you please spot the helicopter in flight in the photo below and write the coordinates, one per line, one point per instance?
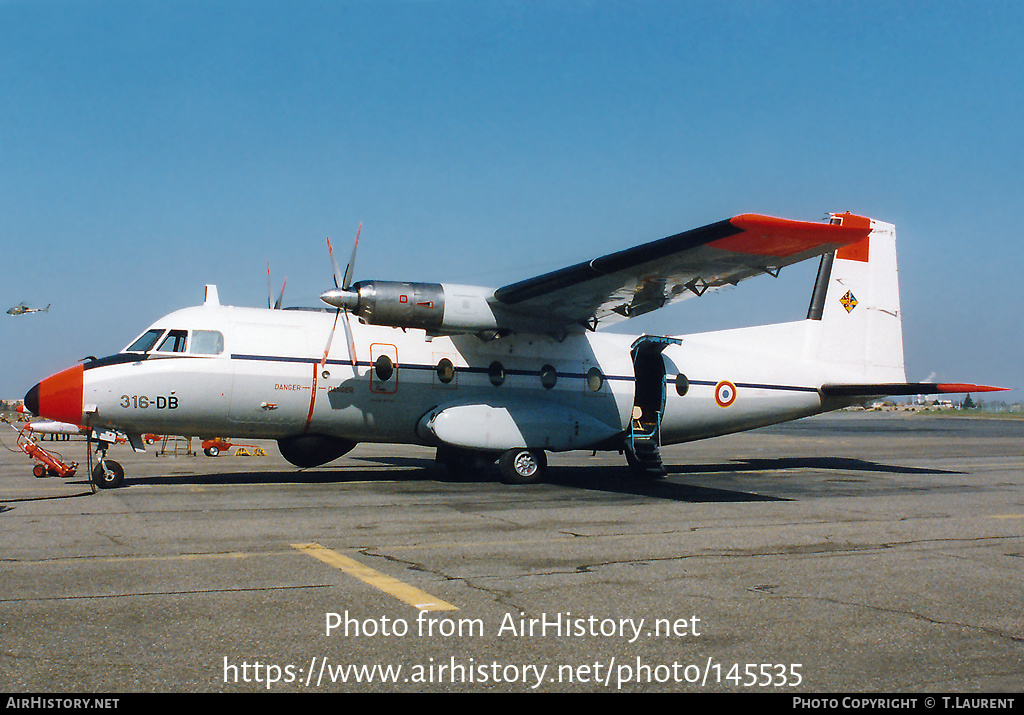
(22, 308)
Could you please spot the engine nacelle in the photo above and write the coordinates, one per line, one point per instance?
(431, 306)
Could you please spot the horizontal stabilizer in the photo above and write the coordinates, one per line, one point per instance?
(908, 388)
(652, 275)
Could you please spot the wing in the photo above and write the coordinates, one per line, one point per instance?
(643, 278)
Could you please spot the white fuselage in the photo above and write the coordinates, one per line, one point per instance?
(269, 380)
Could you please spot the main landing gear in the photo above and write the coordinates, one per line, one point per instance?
(515, 466)
(522, 466)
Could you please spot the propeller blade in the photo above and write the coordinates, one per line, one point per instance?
(280, 297)
(338, 279)
(351, 267)
(351, 340)
(270, 293)
(330, 339)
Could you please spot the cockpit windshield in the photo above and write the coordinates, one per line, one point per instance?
(174, 342)
(198, 342)
(146, 342)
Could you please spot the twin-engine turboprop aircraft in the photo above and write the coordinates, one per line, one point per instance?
(507, 375)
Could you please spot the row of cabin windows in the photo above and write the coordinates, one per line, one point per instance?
(384, 369)
(202, 342)
(496, 374)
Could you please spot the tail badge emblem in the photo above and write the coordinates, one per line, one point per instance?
(849, 301)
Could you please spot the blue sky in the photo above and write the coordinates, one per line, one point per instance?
(149, 148)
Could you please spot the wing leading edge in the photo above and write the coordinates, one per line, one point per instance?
(649, 276)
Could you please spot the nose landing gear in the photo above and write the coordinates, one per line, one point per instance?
(107, 474)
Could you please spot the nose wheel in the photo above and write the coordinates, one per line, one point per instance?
(108, 474)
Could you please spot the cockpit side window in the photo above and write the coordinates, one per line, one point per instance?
(174, 342)
(146, 342)
(207, 342)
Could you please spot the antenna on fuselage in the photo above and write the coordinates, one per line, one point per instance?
(211, 296)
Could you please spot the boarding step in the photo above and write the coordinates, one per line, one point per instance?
(644, 457)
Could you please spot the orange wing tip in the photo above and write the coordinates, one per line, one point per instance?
(952, 387)
(770, 236)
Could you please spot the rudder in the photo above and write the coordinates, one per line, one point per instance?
(856, 306)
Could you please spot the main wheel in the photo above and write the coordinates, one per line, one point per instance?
(522, 466)
(464, 463)
(111, 478)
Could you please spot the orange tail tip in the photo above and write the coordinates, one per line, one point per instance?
(904, 389)
(770, 236)
(953, 387)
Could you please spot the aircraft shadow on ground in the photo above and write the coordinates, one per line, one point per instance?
(607, 478)
(824, 464)
(79, 483)
(770, 471)
(612, 479)
(619, 480)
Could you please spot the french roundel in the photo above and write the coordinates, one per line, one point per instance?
(725, 393)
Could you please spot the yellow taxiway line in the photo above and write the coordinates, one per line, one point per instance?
(391, 586)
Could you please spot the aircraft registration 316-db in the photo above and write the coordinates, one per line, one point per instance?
(512, 373)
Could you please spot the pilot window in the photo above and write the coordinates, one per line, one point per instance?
(174, 342)
(146, 342)
(207, 342)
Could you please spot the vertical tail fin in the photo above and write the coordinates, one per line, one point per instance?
(856, 305)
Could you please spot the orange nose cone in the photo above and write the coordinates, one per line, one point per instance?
(58, 397)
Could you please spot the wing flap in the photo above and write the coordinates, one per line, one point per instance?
(637, 280)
